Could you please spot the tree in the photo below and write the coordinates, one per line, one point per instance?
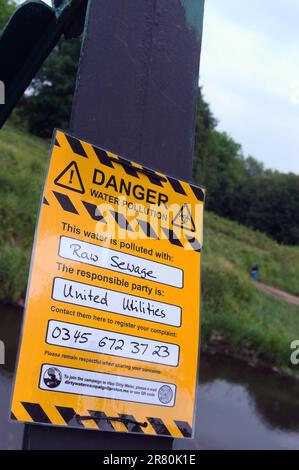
(253, 168)
(48, 102)
(273, 206)
(240, 188)
(218, 162)
(205, 123)
(7, 8)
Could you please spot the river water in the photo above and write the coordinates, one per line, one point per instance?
(238, 407)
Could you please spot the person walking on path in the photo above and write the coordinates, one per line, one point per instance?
(254, 273)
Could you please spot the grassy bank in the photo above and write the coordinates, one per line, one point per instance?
(236, 317)
(22, 164)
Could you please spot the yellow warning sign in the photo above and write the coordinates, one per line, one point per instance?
(111, 330)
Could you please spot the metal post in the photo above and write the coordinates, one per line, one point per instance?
(136, 96)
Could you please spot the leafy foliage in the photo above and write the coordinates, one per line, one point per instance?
(48, 103)
(6, 10)
(240, 188)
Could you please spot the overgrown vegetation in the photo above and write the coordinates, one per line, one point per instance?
(241, 247)
(246, 321)
(22, 164)
(239, 187)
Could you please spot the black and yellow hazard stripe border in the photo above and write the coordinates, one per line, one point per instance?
(37, 414)
(76, 146)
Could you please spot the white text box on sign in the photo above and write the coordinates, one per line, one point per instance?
(80, 337)
(114, 387)
(107, 258)
(86, 295)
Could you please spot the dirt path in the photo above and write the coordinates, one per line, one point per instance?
(292, 299)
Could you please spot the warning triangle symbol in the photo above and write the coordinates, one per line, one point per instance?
(183, 219)
(70, 178)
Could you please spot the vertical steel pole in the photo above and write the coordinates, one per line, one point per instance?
(138, 80)
(136, 96)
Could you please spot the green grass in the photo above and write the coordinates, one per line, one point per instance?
(244, 317)
(240, 247)
(247, 319)
(22, 166)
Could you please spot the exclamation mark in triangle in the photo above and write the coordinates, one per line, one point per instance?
(184, 219)
(70, 178)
